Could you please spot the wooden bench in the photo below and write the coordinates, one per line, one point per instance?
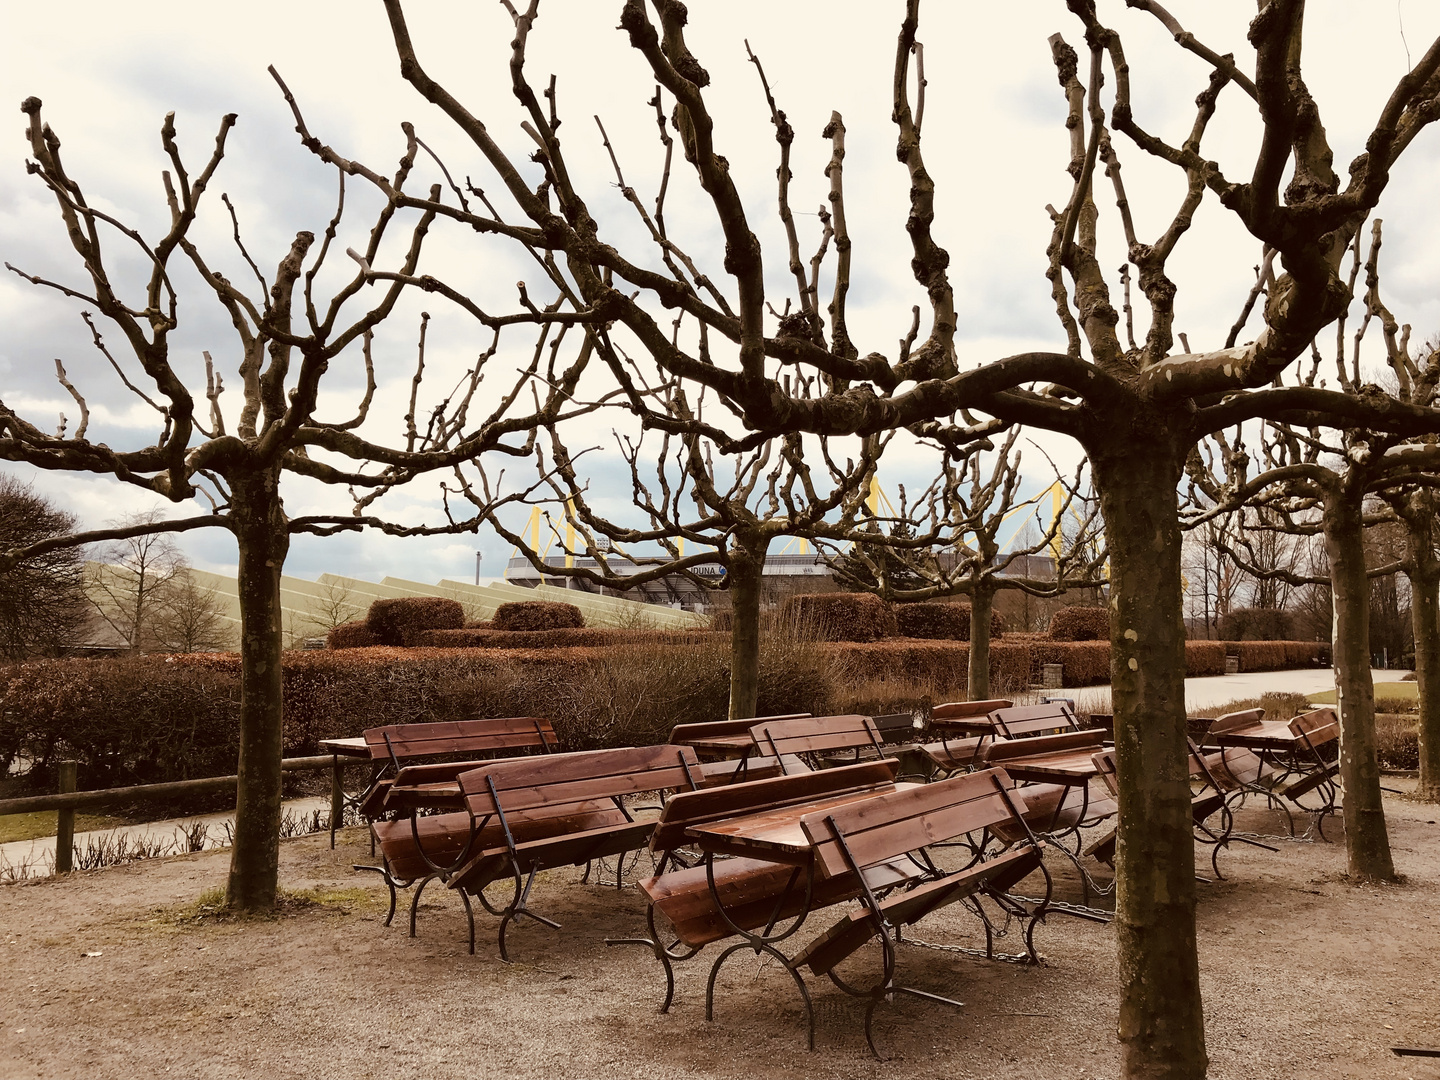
(741, 763)
(855, 839)
(396, 746)
(1281, 760)
(1025, 721)
(560, 790)
(816, 738)
(1205, 803)
(1053, 808)
(958, 753)
(752, 892)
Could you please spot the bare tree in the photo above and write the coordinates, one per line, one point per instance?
(287, 335)
(42, 598)
(1138, 409)
(702, 513)
(129, 578)
(187, 617)
(952, 546)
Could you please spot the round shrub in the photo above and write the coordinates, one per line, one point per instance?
(401, 620)
(840, 616)
(351, 635)
(1080, 624)
(535, 615)
(940, 622)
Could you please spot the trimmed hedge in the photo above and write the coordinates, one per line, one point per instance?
(481, 638)
(840, 616)
(351, 635)
(536, 615)
(400, 621)
(1204, 658)
(1080, 624)
(1261, 655)
(940, 622)
(1307, 654)
(1086, 662)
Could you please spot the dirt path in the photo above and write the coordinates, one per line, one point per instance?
(105, 976)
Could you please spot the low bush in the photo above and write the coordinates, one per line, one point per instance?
(840, 616)
(1397, 741)
(536, 615)
(401, 620)
(1204, 658)
(940, 622)
(351, 635)
(1080, 624)
(939, 665)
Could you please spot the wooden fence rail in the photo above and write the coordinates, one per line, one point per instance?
(68, 800)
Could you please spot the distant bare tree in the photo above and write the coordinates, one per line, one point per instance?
(42, 598)
(129, 577)
(187, 617)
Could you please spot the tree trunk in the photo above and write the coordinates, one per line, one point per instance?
(982, 603)
(1424, 574)
(1162, 1024)
(1366, 841)
(744, 574)
(263, 539)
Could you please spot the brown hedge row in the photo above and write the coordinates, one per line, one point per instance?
(840, 616)
(1204, 658)
(537, 615)
(351, 635)
(1080, 624)
(485, 638)
(400, 621)
(1086, 662)
(1260, 655)
(940, 622)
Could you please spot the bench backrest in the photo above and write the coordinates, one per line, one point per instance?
(895, 727)
(681, 734)
(816, 734)
(404, 742)
(1026, 721)
(1318, 727)
(562, 780)
(876, 830)
(1003, 749)
(959, 710)
(1105, 766)
(691, 808)
(1236, 721)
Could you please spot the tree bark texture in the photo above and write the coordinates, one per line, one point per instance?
(982, 603)
(744, 572)
(1424, 574)
(1162, 1025)
(1367, 843)
(261, 534)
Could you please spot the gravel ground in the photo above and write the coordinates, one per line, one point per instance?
(107, 974)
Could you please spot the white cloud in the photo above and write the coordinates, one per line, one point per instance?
(994, 138)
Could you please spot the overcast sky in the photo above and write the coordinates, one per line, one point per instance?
(994, 140)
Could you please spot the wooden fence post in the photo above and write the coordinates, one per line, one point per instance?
(337, 796)
(65, 825)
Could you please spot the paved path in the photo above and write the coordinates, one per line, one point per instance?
(1212, 690)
